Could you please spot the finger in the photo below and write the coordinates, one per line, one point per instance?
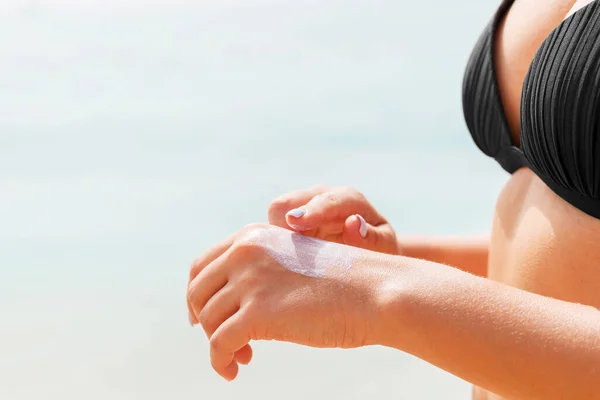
(201, 262)
(330, 208)
(244, 355)
(359, 233)
(216, 311)
(210, 255)
(229, 338)
(281, 205)
(222, 305)
(204, 286)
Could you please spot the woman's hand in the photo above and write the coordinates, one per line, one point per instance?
(338, 214)
(268, 283)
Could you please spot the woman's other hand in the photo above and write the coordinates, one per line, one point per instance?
(335, 214)
(268, 283)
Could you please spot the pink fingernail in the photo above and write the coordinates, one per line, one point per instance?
(296, 212)
(363, 226)
(190, 319)
(298, 228)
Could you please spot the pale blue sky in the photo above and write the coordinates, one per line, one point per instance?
(134, 134)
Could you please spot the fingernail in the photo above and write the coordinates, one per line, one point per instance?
(190, 319)
(298, 228)
(296, 212)
(363, 226)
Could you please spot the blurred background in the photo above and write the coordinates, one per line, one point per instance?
(135, 134)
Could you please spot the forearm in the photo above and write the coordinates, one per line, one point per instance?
(511, 342)
(469, 254)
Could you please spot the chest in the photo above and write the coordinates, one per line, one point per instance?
(520, 34)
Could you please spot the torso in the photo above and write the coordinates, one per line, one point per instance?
(540, 243)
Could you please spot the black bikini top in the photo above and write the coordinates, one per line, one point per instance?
(560, 108)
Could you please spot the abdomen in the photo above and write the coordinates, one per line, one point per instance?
(542, 244)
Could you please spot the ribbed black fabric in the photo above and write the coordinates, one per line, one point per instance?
(482, 105)
(560, 108)
(560, 105)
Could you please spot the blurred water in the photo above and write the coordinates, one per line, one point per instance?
(135, 134)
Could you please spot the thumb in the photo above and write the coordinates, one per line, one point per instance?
(359, 233)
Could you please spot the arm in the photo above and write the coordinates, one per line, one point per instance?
(509, 341)
(469, 254)
(267, 283)
(344, 215)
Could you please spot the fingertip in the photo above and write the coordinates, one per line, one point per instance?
(352, 223)
(230, 372)
(244, 355)
(356, 223)
(296, 213)
(295, 219)
(352, 228)
(362, 228)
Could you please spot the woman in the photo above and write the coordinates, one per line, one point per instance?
(518, 314)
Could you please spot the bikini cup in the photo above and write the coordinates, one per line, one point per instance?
(560, 108)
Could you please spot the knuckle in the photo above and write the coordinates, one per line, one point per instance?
(249, 279)
(331, 199)
(249, 311)
(252, 317)
(277, 209)
(261, 305)
(195, 268)
(355, 193)
(216, 343)
(320, 188)
(279, 204)
(208, 323)
(248, 244)
(252, 235)
(253, 227)
(220, 353)
(249, 248)
(192, 294)
(203, 318)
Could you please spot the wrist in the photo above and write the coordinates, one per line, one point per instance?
(419, 247)
(397, 278)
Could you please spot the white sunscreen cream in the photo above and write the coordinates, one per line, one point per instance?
(302, 254)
